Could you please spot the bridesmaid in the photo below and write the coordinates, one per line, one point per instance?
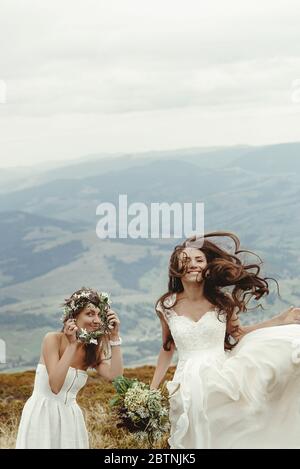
(51, 417)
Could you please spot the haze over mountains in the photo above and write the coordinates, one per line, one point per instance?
(49, 246)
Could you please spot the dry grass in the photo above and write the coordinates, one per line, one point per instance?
(16, 388)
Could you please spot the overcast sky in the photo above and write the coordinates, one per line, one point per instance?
(91, 76)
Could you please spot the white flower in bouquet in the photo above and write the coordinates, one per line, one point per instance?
(141, 409)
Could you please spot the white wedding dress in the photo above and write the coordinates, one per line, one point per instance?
(53, 421)
(248, 397)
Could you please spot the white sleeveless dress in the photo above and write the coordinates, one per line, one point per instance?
(248, 397)
(53, 421)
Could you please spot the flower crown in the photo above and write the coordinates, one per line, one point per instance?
(79, 301)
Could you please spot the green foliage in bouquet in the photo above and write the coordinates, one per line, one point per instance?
(140, 409)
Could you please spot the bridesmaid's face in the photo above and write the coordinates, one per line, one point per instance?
(195, 261)
(89, 318)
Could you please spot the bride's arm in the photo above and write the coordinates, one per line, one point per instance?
(164, 357)
(290, 316)
(163, 363)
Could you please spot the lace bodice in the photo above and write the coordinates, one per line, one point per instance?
(206, 334)
(233, 399)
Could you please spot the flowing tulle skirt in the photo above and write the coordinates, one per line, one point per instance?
(245, 398)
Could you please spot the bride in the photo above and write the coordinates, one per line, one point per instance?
(51, 417)
(234, 386)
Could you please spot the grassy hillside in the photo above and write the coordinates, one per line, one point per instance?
(16, 388)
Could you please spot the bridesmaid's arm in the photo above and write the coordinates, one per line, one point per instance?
(112, 368)
(57, 368)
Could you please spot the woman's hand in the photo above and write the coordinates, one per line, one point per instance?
(290, 316)
(114, 323)
(70, 330)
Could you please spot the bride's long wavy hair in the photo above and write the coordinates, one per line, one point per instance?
(224, 271)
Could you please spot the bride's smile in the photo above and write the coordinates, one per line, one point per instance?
(235, 385)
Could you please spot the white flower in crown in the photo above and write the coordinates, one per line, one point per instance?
(105, 296)
(67, 312)
(78, 302)
(89, 337)
(84, 294)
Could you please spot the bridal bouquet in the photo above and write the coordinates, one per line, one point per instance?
(140, 409)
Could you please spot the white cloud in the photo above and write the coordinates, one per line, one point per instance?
(80, 74)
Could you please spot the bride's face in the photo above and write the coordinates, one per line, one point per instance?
(195, 261)
(89, 318)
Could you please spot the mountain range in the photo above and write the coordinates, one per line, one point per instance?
(49, 246)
